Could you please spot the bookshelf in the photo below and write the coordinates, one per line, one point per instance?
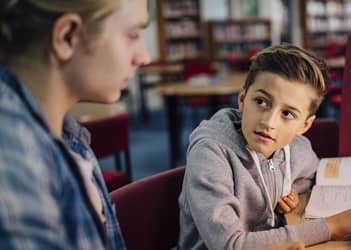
(237, 39)
(325, 22)
(179, 30)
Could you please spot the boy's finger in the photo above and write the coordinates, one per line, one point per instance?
(289, 202)
(284, 206)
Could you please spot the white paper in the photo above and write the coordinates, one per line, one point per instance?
(343, 178)
(332, 192)
(326, 201)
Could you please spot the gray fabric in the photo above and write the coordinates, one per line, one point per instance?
(222, 203)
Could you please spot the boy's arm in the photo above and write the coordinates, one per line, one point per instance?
(216, 210)
(304, 164)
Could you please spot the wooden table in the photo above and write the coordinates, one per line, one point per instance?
(297, 217)
(85, 111)
(173, 92)
(163, 71)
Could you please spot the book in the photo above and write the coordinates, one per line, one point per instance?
(332, 192)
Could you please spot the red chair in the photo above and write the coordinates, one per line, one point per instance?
(193, 68)
(324, 137)
(345, 110)
(110, 136)
(196, 67)
(148, 211)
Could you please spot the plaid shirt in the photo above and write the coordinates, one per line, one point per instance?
(43, 200)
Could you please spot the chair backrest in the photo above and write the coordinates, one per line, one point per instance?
(195, 67)
(148, 210)
(324, 137)
(109, 135)
(345, 109)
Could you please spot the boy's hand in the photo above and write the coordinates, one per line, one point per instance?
(340, 225)
(288, 203)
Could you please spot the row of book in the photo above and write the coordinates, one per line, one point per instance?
(182, 29)
(235, 32)
(329, 24)
(323, 39)
(180, 8)
(329, 7)
(185, 50)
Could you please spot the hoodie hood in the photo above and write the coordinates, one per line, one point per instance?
(223, 127)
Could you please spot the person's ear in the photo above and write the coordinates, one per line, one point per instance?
(241, 99)
(65, 35)
(307, 124)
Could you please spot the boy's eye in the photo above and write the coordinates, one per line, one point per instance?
(261, 102)
(288, 115)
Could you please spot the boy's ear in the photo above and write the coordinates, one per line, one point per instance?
(65, 35)
(241, 99)
(307, 124)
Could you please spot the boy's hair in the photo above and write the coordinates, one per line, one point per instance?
(25, 22)
(294, 64)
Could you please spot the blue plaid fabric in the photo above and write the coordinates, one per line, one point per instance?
(43, 200)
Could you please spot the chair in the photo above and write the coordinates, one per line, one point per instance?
(345, 109)
(324, 137)
(110, 136)
(194, 68)
(148, 211)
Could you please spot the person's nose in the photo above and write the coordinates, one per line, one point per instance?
(142, 56)
(269, 119)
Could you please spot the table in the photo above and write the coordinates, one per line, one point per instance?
(164, 71)
(85, 111)
(173, 92)
(297, 217)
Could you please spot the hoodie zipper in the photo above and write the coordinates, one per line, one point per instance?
(272, 169)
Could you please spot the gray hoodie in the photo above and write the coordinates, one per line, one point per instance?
(223, 204)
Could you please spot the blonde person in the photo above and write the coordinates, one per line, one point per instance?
(54, 53)
(246, 167)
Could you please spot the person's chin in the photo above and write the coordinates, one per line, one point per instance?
(115, 98)
(261, 148)
(111, 98)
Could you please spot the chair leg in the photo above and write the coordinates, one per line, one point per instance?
(118, 163)
(128, 164)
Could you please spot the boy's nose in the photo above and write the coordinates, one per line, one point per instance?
(269, 119)
(143, 56)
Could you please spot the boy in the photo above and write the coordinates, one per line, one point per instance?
(52, 55)
(244, 168)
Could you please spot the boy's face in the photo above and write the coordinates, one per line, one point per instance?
(274, 110)
(107, 63)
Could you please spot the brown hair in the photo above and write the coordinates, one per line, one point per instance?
(25, 22)
(292, 63)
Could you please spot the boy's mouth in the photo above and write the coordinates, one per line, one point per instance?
(264, 135)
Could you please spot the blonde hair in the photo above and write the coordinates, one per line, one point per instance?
(24, 22)
(292, 63)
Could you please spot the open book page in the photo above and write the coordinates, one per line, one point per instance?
(332, 192)
(334, 172)
(326, 201)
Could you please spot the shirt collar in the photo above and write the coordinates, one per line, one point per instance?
(71, 127)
